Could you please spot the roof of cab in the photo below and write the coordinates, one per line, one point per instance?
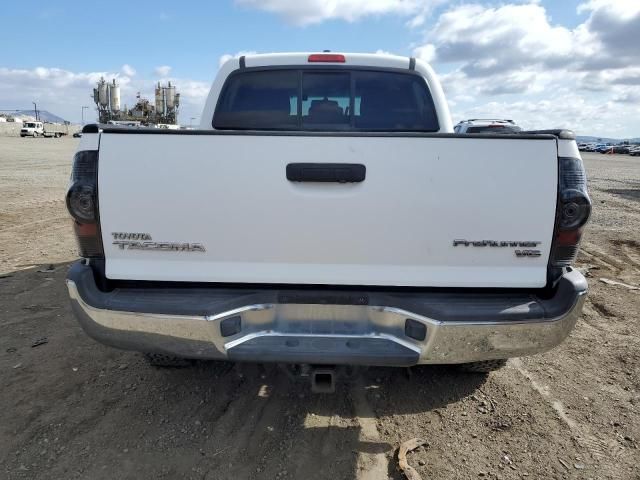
(382, 60)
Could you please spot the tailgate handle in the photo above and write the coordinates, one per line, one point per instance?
(326, 172)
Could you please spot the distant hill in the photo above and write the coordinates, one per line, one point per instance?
(43, 114)
(591, 139)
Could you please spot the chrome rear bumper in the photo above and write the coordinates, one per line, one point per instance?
(351, 328)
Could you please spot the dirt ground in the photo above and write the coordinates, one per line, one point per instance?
(71, 408)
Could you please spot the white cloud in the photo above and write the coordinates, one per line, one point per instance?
(615, 28)
(228, 56)
(513, 61)
(426, 53)
(162, 71)
(56, 90)
(51, 84)
(128, 70)
(307, 12)
(490, 40)
(192, 92)
(618, 8)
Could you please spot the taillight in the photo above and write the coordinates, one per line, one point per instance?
(326, 58)
(82, 203)
(572, 212)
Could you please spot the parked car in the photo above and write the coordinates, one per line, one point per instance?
(295, 228)
(635, 151)
(602, 147)
(615, 149)
(586, 147)
(486, 125)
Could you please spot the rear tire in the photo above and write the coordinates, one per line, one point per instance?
(161, 360)
(482, 367)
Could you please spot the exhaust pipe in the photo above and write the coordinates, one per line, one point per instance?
(323, 380)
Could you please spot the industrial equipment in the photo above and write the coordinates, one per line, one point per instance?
(163, 111)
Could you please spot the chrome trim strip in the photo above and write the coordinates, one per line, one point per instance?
(269, 333)
(238, 311)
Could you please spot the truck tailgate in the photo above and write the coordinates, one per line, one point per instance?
(230, 194)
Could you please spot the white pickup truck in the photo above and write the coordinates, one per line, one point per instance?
(44, 129)
(326, 214)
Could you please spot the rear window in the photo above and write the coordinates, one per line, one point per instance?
(326, 100)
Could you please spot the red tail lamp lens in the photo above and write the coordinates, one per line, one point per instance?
(327, 58)
(82, 203)
(573, 211)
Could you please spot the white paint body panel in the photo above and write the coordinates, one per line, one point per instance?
(568, 148)
(89, 141)
(230, 193)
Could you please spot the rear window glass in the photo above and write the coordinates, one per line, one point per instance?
(259, 100)
(325, 101)
(358, 100)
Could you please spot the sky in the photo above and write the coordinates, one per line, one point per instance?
(543, 63)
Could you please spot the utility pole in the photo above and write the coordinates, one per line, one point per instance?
(35, 110)
(83, 115)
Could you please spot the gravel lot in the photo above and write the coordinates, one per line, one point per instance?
(71, 408)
